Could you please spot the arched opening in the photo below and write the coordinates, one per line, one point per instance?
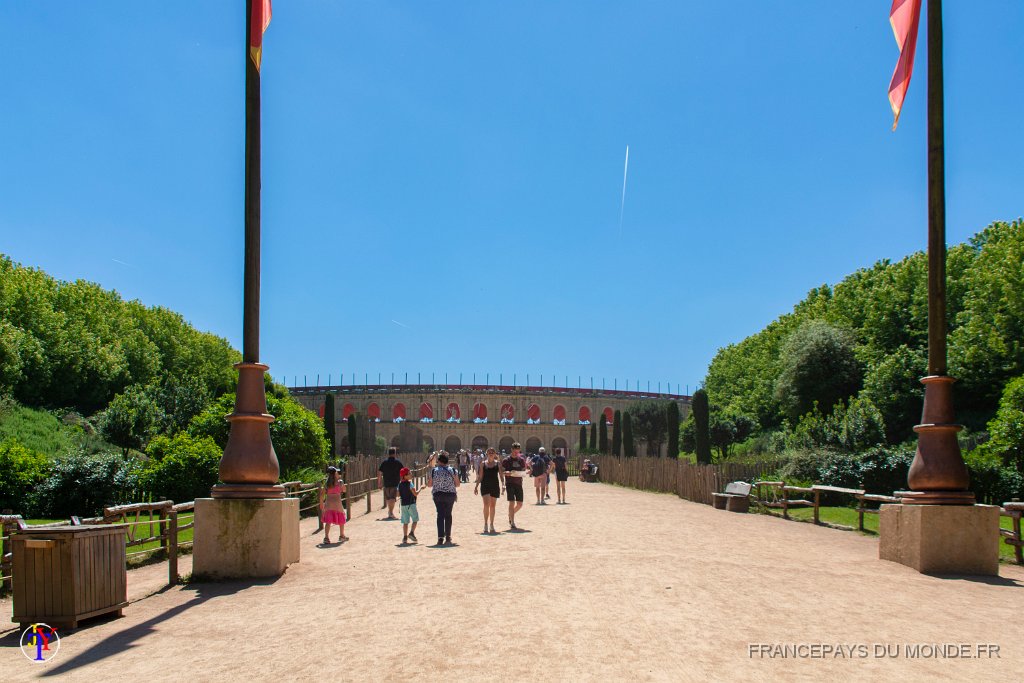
(452, 444)
(480, 442)
(373, 412)
(426, 412)
(428, 443)
(343, 448)
(584, 417)
(479, 413)
(558, 417)
(533, 414)
(559, 444)
(508, 414)
(505, 444)
(346, 410)
(609, 415)
(398, 412)
(532, 445)
(396, 441)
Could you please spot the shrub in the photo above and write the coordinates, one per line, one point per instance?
(82, 484)
(991, 481)
(877, 470)
(21, 470)
(182, 468)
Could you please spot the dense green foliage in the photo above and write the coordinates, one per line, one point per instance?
(181, 468)
(593, 437)
(648, 424)
(838, 378)
(602, 434)
(701, 426)
(583, 439)
(672, 421)
(21, 469)
(131, 419)
(617, 434)
(76, 345)
(83, 483)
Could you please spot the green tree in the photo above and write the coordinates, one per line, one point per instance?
(672, 421)
(602, 434)
(818, 366)
(617, 434)
(648, 423)
(130, 419)
(181, 468)
(1007, 427)
(893, 385)
(628, 444)
(329, 426)
(21, 470)
(179, 399)
(583, 439)
(702, 426)
(83, 484)
(593, 437)
(727, 427)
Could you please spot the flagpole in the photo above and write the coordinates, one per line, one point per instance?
(249, 467)
(938, 475)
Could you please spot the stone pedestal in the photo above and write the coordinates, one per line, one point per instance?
(239, 538)
(941, 539)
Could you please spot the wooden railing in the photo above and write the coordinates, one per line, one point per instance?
(666, 475)
(1012, 537)
(776, 494)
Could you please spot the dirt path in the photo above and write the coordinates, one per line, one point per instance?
(619, 585)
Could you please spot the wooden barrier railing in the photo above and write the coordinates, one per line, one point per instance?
(1012, 537)
(8, 525)
(666, 475)
(775, 494)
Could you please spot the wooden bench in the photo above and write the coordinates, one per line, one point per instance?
(735, 499)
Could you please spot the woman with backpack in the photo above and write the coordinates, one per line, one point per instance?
(444, 482)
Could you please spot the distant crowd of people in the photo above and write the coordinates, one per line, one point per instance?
(495, 476)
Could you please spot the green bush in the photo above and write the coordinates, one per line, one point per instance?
(991, 481)
(877, 470)
(181, 468)
(21, 470)
(84, 483)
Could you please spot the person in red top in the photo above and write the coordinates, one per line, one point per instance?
(513, 469)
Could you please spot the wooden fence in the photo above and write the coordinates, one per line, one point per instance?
(666, 475)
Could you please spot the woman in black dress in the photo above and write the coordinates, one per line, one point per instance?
(489, 484)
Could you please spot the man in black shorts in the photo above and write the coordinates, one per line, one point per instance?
(388, 476)
(561, 465)
(513, 469)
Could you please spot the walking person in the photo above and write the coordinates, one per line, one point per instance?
(408, 494)
(513, 469)
(489, 481)
(388, 476)
(463, 459)
(444, 482)
(561, 466)
(331, 509)
(539, 472)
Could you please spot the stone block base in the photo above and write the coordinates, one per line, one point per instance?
(941, 539)
(239, 538)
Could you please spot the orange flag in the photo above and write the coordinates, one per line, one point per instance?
(259, 22)
(905, 16)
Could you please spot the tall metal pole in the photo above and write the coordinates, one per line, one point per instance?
(937, 475)
(249, 467)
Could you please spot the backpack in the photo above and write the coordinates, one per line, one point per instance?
(539, 467)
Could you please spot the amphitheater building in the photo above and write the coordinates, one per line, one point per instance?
(419, 418)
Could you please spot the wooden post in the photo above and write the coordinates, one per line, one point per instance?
(369, 491)
(162, 517)
(172, 548)
(817, 501)
(785, 502)
(1018, 551)
(348, 504)
(860, 513)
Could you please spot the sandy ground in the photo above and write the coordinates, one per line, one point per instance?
(618, 585)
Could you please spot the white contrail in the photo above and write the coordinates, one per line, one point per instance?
(122, 262)
(400, 324)
(625, 173)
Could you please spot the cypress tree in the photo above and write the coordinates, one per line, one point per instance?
(617, 434)
(329, 424)
(628, 447)
(583, 437)
(593, 436)
(672, 418)
(602, 435)
(352, 434)
(702, 426)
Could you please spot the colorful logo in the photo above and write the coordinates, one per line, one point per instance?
(40, 643)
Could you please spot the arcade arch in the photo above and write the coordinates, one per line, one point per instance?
(609, 415)
(426, 412)
(480, 442)
(452, 413)
(584, 415)
(533, 445)
(558, 415)
(558, 443)
(373, 412)
(398, 412)
(452, 444)
(508, 414)
(505, 445)
(479, 412)
(346, 410)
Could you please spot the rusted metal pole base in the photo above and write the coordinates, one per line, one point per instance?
(249, 468)
(938, 475)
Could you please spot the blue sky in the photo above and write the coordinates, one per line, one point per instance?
(442, 180)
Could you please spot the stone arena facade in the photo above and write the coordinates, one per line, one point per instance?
(424, 418)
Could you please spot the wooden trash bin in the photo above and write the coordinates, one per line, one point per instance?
(65, 574)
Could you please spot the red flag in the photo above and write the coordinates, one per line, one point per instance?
(905, 16)
(259, 22)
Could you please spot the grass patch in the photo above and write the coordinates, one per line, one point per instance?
(844, 516)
